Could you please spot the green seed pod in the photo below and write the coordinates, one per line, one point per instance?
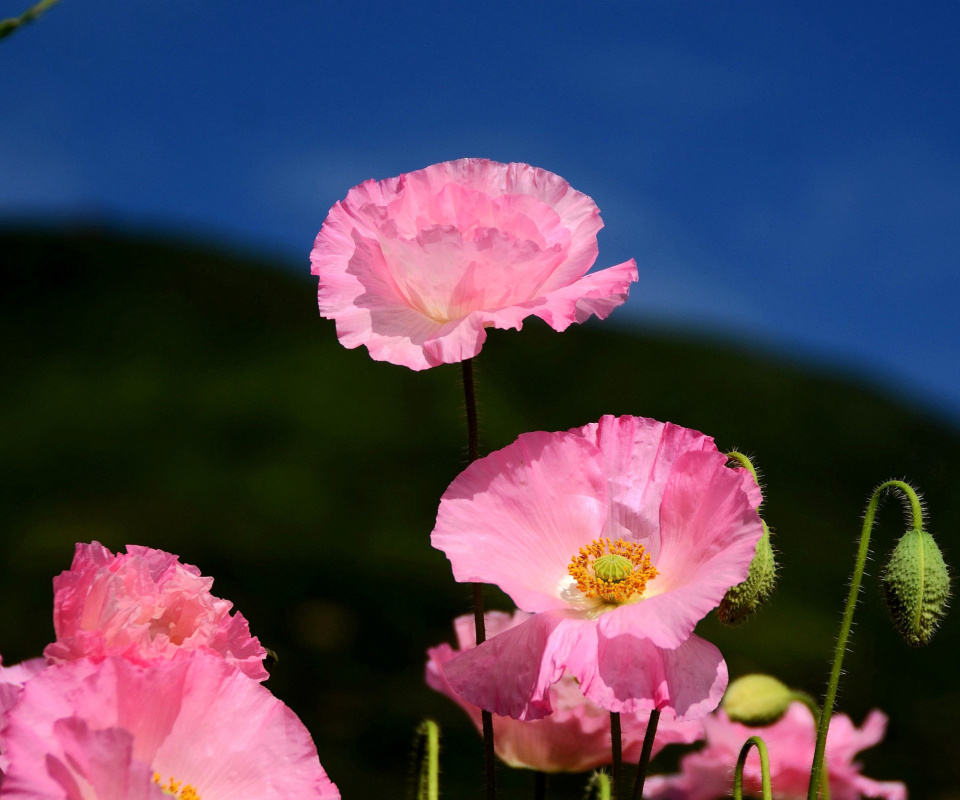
(745, 598)
(611, 567)
(757, 700)
(916, 586)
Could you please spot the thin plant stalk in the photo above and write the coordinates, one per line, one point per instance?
(916, 511)
(647, 749)
(616, 745)
(811, 704)
(753, 741)
(427, 763)
(8, 26)
(473, 453)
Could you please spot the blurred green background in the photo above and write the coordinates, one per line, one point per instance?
(174, 396)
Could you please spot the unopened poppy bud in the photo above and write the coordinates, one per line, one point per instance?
(757, 700)
(916, 586)
(745, 598)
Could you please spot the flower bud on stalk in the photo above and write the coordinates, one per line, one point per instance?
(757, 700)
(742, 601)
(916, 587)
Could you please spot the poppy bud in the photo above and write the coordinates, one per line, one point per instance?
(757, 700)
(916, 586)
(745, 598)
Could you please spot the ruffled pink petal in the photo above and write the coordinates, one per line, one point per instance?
(112, 725)
(101, 761)
(247, 743)
(517, 516)
(638, 457)
(708, 536)
(511, 674)
(634, 674)
(846, 739)
(575, 737)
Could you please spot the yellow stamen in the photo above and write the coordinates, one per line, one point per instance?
(175, 788)
(612, 588)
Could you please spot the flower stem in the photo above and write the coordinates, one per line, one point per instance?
(811, 704)
(645, 752)
(427, 766)
(8, 26)
(616, 743)
(539, 785)
(908, 495)
(473, 453)
(753, 741)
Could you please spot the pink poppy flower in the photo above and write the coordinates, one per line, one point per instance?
(417, 267)
(575, 737)
(618, 537)
(144, 605)
(193, 728)
(708, 773)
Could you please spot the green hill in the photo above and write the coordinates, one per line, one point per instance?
(166, 395)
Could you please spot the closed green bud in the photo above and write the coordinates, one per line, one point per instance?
(745, 598)
(916, 586)
(757, 700)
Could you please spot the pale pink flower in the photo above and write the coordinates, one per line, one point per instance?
(144, 605)
(575, 737)
(193, 728)
(708, 773)
(534, 517)
(417, 267)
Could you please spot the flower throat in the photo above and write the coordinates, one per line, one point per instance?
(613, 572)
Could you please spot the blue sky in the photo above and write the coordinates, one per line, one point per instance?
(787, 174)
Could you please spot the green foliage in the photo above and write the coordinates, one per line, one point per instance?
(189, 400)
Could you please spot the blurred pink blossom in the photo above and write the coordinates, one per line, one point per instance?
(533, 518)
(419, 266)
(708, 773)
(190, 728)
(575, 737)
(144, 605)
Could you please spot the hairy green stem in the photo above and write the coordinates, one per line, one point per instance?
(473, 453)
(8, 26)
(753, 741)
(736, 455)
(427, 765)
(811, 704)
(645, 752)
(599, 786)
(916, 510)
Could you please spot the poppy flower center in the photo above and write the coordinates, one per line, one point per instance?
(614, 572)
(176, 788)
